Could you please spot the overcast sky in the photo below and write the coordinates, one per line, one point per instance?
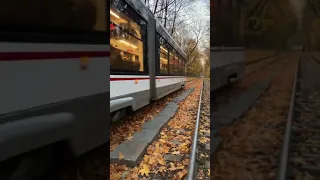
(200, 12)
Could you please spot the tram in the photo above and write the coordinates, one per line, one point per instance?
(146, 64)
(54, 74)
(227, 52)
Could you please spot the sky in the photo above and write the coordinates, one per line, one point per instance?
(199, 11)
(202, 12)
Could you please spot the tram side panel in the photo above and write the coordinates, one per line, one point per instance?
(129, 91)
(35, 91)
(226, 67)
(132, 69)
(166, 85)
(131, 88)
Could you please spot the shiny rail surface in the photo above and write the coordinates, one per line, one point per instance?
(282, 170)
(300, 153)
(192, 166)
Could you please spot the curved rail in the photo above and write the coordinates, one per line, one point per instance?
(192, 166)
(282, 170)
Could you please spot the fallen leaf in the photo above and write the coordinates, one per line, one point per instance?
(121, 156)
(145, 170)
(152, 161)
(180, 167)
(162, 169)
(133, 176)
(182, 173)
(162, 162)
(165, 149)
(130, 138)
(172, 168)
(185, 162)
(176, 152)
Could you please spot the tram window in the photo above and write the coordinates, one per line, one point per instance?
(182, 67)
(164, 57)
(176, 63)
(126, 39)
(54, 15)
(179, 65)
(171, 61)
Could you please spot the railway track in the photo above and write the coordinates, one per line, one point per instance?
(168, 155)
(257, 133)
(199, 166)
(300, 155)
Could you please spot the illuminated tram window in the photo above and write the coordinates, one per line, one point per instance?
(126, 42)
(171, 61)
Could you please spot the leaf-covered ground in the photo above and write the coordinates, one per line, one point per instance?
(250, 69)
(174, 139)
(254, 54)
(251, 145)
(124, 129)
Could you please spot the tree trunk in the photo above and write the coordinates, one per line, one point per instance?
(165, 15)
(174, 17)
(155, 7)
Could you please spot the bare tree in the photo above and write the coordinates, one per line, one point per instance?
(169, 12)
(183, 23)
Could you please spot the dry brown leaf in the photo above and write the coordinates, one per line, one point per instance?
(152, 161)
(203, 140)
(172, 168)
(130, 138)
(162, 169)
(121, 156)
(180, 167)
(186, 162)
(145, 170)
(162, 162)
(133, 175)
(182, 173)
(165, 149)
(176, 152)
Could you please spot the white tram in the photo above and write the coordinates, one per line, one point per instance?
(146, 63)
(227, 52)
(54, 76)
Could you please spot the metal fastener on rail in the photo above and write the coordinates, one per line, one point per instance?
(191, 170)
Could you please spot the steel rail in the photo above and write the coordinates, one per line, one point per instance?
(191, 170)
(282, 170)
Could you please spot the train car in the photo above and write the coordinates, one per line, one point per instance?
(146, 63)
(54, 63)
(226, 45)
